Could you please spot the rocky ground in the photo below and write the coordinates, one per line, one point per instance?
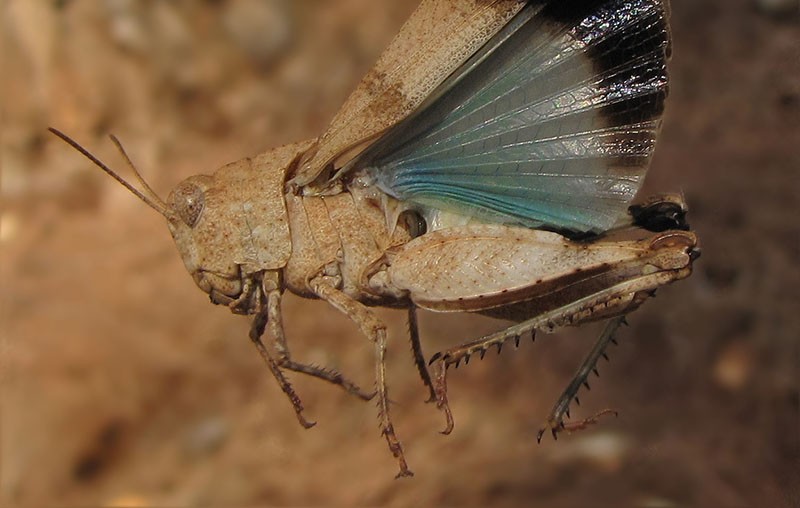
(122, 386)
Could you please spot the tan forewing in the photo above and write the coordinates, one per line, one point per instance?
(438, 37)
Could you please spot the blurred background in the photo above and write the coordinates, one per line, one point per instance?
(123, 386)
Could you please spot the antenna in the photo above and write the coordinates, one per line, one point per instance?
(150, 198)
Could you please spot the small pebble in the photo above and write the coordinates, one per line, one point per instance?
(206, 436)
(656, 502)
(605, 450)
(128, 501)
(779, 7)
(262, 28)
(9, 226)
(734, 365)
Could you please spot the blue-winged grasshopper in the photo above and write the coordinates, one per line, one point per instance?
(486, 164)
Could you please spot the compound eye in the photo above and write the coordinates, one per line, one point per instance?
(188, 201)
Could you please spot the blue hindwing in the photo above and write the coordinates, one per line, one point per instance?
(551, 124)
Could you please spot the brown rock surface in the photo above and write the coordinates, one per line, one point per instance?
(122, 385)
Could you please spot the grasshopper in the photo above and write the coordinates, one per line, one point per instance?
(486, 164)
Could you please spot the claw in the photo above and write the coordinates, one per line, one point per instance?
(551, 425)
(586, 422)
(440, 389)
(448, 426)
(305, 423)
(557, 426)
(448, 415)
(367, 396)
(404, 473)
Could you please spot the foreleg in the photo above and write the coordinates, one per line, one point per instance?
(284, 358)
(256, 331)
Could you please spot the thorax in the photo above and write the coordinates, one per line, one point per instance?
(344, 236)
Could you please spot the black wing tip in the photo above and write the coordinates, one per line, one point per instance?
(571, 12)
(568, 11)
(629, 40)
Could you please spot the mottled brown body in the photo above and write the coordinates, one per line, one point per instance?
(340, 248)
(345, 249)
(301, 218)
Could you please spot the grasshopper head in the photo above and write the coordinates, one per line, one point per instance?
(232, 227)
(229, 228)
(201, 227)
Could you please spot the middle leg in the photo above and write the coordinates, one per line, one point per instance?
(375, 330)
